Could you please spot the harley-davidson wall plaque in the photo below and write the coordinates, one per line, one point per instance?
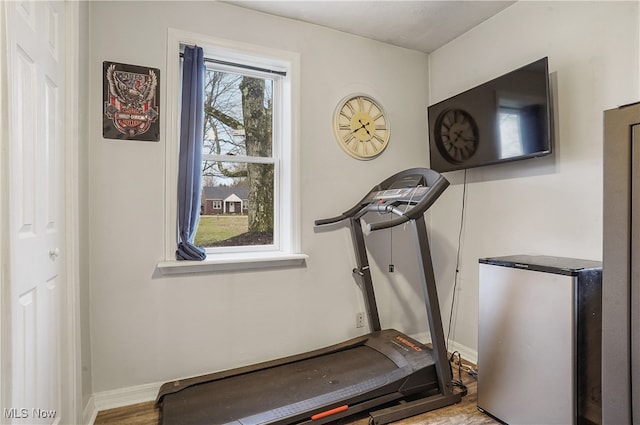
(131, 97)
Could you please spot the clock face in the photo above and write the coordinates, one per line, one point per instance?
(456, 135)
(361, 126)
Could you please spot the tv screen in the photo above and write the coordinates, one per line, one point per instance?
(505, 119)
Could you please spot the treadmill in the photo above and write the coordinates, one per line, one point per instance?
(385, 373)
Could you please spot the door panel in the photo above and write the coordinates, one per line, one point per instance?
(24, 115)
(36, 81)
(621, 267)
(634, 287)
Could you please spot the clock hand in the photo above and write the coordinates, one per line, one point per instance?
(364, 126)
(357, 129)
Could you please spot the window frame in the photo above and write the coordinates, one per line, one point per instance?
(287, 228)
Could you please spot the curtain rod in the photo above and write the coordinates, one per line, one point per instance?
(243, 66)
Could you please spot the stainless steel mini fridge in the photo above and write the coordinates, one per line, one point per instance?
(539, 340)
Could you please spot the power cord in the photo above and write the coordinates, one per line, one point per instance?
(472, 372)
(458, 382)
(455, 279)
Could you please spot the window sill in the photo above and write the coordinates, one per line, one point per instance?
(226, 262)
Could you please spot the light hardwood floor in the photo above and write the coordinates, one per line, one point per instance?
(464, 412)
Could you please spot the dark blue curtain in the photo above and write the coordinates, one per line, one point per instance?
(190, 160)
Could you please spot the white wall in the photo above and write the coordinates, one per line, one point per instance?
(146, 328)
(544, 206)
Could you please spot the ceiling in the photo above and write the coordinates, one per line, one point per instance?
(422, 25)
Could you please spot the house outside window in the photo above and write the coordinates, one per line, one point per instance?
(249, 150)
(223, 200)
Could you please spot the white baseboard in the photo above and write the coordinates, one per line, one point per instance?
(118, 398)
(467, 353)
(89, 413)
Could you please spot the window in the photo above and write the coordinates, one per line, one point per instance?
(239, 161)
(510, 133)
(249, 206)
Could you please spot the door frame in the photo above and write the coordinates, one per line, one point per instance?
(71, 348)
(5, 314)
(618, 284)
(70, 323)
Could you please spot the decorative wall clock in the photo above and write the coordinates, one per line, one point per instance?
(361, 126)
(456, 135)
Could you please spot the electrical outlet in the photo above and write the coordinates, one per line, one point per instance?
(360, 320)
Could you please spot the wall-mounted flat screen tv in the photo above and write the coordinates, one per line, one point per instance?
(505, 119)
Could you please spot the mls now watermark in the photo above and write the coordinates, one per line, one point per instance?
(24, 413)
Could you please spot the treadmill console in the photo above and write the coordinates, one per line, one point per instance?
(408, 189)
(407, 194)
(412, 180)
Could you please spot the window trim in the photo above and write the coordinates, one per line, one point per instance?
(288, 252)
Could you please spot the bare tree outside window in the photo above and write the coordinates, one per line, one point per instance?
(238, 175)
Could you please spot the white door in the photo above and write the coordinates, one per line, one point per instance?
(35, 112)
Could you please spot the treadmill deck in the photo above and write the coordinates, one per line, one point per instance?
(290, 390)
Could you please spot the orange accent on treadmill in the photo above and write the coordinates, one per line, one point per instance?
(330, 412)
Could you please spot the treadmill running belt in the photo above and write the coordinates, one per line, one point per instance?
(286, 390)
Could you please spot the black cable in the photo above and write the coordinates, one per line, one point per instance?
(458, 382)
(455, 279)
(391, 246)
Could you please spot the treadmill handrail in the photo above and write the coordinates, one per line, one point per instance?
(387, 224)
(435, 190)
(345, 215)
(324, 221)
(365, 205)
